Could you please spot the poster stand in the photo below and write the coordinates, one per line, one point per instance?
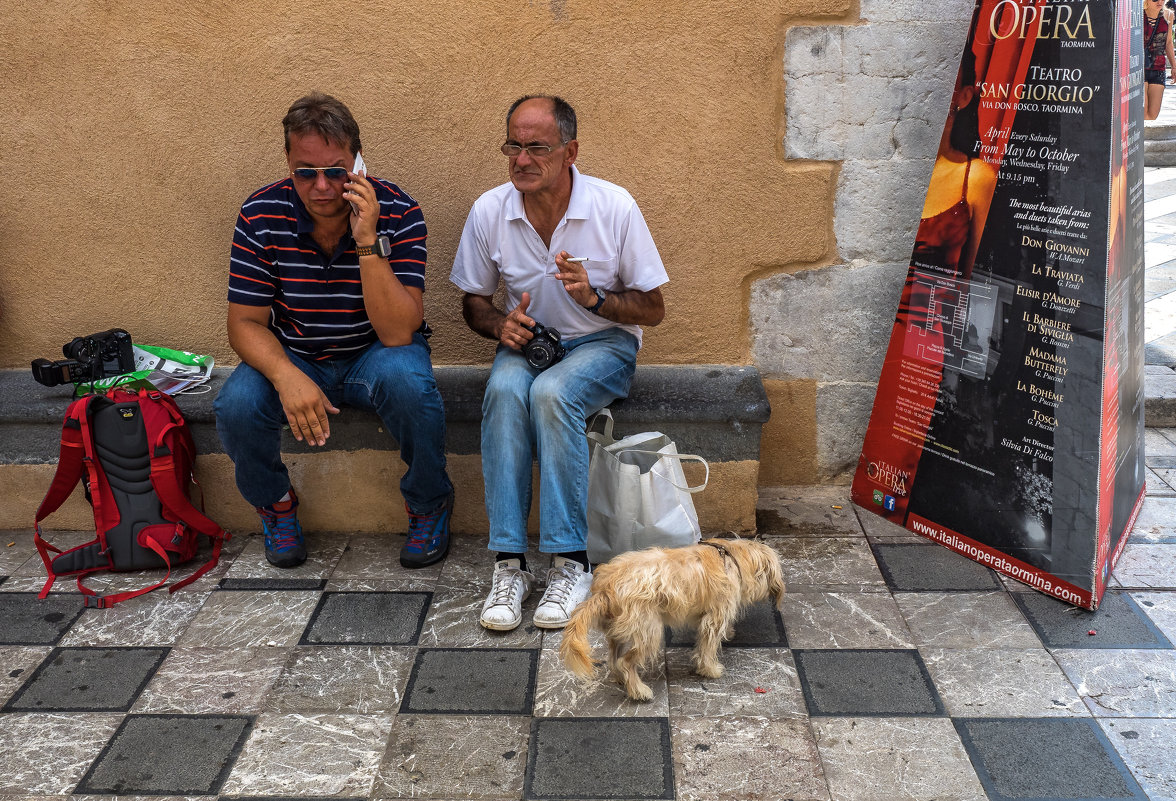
(1008, 421)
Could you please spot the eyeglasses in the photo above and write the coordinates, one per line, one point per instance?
(534, 151)
(310, 173)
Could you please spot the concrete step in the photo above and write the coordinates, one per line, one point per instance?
(1159, 130)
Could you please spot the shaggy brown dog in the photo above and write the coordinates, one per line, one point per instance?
(637, 594)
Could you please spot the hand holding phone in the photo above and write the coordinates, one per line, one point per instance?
(360, 169)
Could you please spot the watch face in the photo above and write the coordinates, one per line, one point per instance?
(383, 246)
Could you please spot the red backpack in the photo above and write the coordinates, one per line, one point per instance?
(135, 452)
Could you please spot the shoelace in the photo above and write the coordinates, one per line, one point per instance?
(283, 529)
(560, 581)
(418, 525)
(505, 584)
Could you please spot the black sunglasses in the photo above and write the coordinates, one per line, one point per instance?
(310, 173)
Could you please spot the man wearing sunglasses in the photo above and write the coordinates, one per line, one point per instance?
(326, 282)
(574, 254)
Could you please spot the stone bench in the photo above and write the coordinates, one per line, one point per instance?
(352, 483)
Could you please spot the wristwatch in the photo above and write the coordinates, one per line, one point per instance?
(382, 248)
(600, 296)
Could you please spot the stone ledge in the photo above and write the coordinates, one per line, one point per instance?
(1159, 410)
(716, 411)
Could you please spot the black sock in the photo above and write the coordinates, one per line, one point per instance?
(578, 556)
(522, 557)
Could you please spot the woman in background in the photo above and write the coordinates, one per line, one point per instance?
(1157, 56)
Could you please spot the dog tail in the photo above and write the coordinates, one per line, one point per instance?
(574, 650)
(776, 582)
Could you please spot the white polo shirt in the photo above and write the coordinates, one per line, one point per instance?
(602, 223)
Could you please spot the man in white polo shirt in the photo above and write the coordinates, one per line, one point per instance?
(575, 255)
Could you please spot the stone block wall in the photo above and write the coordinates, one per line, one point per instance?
(872, 96)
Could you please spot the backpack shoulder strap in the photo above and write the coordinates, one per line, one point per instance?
(70, 462)
(161, 417)
(70, 469)
(165, 418)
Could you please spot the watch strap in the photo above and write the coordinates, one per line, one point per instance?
(382, 247)
(600, 298)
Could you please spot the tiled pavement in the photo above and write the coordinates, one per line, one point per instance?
(896, 670)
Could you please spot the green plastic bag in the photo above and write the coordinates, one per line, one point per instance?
(169, 371)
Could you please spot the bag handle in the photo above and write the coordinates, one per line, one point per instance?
(605, 437)
(682, 457)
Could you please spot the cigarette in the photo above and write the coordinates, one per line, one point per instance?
(577, 259)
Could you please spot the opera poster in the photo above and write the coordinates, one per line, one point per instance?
(1008, 420)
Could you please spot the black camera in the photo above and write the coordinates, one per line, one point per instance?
(545, 348)
(87, 359)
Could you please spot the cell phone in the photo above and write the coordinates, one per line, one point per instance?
(360, 168)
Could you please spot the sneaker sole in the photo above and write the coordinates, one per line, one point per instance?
(500, 626)
(284, 564)
(413, 564)
(539, 624)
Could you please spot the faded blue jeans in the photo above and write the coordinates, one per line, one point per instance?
(529, 411)
(396, 383)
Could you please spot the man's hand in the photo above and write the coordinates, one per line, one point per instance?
(365, 208)
(514, 333)
(575, 280)
(306, 407)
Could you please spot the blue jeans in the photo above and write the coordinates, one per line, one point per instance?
(526, 410)
(396, 383)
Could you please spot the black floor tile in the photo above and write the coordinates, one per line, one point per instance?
(28, 621)
(168, 755)
(913, 567)
(88, 680)
(866, 683)
(1027, 758)
(367, 618)
(761, 626)
(472, 681)
(588, 758)
(1118, 622)
(272, 584)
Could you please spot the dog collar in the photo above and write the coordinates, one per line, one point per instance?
(720, 548)
(723, 550)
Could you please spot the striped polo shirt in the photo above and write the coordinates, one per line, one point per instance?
(316, 299)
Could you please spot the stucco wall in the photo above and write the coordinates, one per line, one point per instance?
(134, 131)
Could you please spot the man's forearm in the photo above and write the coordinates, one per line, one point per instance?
(394, 310)
(259, 348)
(634, 307)
(482, 316)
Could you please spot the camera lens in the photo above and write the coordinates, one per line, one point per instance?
(79, 349)
(540, 354)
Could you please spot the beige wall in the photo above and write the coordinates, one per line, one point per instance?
(133, 132)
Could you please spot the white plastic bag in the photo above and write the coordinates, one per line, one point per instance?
(637, 493)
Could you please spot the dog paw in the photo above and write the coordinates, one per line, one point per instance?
(640, 692)
(709, 671)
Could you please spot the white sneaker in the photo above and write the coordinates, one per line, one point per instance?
(503, 609)
(568, 585)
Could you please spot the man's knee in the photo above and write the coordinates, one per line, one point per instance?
(552, 403)
(504, 392)
(400, 375)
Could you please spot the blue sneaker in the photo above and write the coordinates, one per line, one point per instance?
(428, 536)
(284, 546)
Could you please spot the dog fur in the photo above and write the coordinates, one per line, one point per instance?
(635, 595)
